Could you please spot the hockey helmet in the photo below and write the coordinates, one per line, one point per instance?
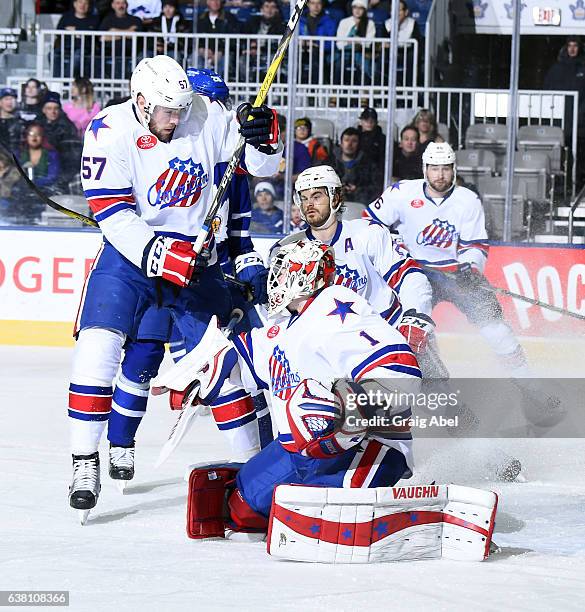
(439, 154)
(320, 176)
(162, 82)
(206, 82)
(298, 270)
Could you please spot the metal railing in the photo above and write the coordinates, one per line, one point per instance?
(108, 58)
(578, 201)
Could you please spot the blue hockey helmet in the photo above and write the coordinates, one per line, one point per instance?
(207, 82)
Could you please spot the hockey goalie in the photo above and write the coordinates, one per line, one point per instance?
(324, 490)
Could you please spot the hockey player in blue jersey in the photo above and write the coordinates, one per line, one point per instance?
(147, 171)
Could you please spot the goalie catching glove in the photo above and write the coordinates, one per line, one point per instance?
(174, 260)
(259, 126)
(416, 327)
(250, 269)
(316, 419)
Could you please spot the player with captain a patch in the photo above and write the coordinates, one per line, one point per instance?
(318, 332)
(367, 260)
(443, 227)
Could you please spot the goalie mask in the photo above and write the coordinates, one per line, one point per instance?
(162, 82)
(299, 270)
(314, 178)
(439, 154)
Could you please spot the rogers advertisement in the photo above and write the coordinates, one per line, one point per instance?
(42, 274)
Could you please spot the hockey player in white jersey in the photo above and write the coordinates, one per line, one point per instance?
(318, 332)
(443, 227)
(366, 259)
(147, 172)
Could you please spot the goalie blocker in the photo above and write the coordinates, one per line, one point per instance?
(337, 525)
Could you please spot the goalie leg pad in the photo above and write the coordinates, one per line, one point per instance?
(384, 524)
(206, 507)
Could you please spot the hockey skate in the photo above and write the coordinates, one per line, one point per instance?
(121, 465)
(85, 486)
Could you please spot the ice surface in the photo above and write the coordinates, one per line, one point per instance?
(133, 553)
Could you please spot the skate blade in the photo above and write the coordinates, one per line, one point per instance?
(121, 485)
(83, 515)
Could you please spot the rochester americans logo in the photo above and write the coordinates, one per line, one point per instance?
(283, 381)
(347, 277)
(180, 185)
(439, 233)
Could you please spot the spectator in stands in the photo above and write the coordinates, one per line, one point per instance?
(215, 20)
(303, 128)
(372, 139)
(315, 22)
(33, 94)
(356, 58)
(83, 107)
(362, 181)
(146, 10)
(266, 217)
(11, 125)
(407, 30)
(62, 135)
(9, 177)
(426, 124)
(269, 21)
(568, 74)
(407, 155)
(296, 222)
(119, 21)
(170, 22)
(301, 160)
(39, 157)
(69, 49)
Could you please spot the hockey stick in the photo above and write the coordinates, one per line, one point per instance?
(186, 416)
(45, 198)
(260, 99)
(79, 216)
(517, 296)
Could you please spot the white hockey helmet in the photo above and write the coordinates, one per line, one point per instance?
(162, 82)
(439, 154)
(298, 270)
(319, 176)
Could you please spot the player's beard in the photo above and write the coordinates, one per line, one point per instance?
(163, 136)
(442, 187)
(318, 219)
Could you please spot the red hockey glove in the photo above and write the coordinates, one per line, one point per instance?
(174, 260)
(416, 328)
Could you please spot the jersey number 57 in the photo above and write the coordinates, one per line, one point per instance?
(92, 166)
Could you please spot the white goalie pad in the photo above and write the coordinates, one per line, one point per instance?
(197, 364)
(328, 525)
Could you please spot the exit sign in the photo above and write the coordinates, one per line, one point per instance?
(546, 16)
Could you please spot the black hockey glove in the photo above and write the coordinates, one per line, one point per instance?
(261, 130)
(468, 278)
(201, 262)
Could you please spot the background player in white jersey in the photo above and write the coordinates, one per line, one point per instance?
(366, 259)
(147, 172)
(443, 227)
(319, 332)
